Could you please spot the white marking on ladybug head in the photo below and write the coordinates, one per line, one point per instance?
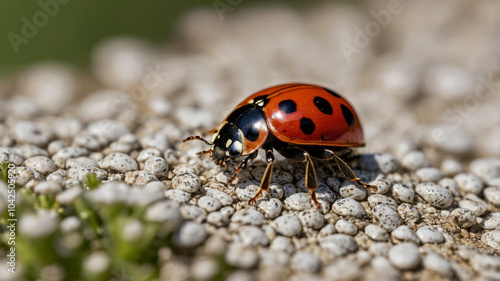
(228, 143)
(260, 103)
(251, 101)
(227, 153)
(238, 145)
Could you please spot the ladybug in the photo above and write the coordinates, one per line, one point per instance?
(300, 121)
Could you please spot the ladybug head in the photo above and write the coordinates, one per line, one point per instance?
(226, 144)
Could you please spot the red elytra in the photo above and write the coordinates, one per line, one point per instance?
(300, 121)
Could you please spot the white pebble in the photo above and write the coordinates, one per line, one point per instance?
(491, 221)
(282, 243)
(217, 219)
(305, 262)
(428, 234)
(164, 211)
(69, 152)
(208, 203)
(451, 185)
(187, 182)
(107, 129)
(11, 155)
(139, 178)
(435, 195)
(339, 244)
(376, 233)
(38, 225)
(147, 154)
(270, 207)
(70, 224)
(253, 236)
(405, 234)
(287, 225)
(29, 150)
(386, 163)
(352, 190)
(80, 161)
(492, 239)
(157, 166)
(463, 217)
(451, 167)
(194, 213)
(348, 207)
(379, 249)
(415, 160)
(473, 203)
(487, 265)
(342, 269)
(379, 199)
(408, 212)
(469, 183)
(69, 195)
(48, 187)
(289, 189)
(224, 198)
(248, 216)
(492, 194)
(178, 195)
(241, 256)
(96, 263)
(437, 263)
(346, 227)
(80, 173)
(204, 269)
(404, 256)
(311, 218)
(190, 234)
(30, 133)
(185, 168)
(403, 193)
(156, 140)
(429, 174)
(387, 217)
(299, 201)
(246, 190)
(118, 162)
(486, 168)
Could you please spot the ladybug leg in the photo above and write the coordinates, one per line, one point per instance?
(266, 178)
(311, 180)
(242, 165)
(349, 174)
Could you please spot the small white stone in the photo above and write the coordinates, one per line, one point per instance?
(107, 129)
(28, 132)
(339, 244)
(70, 224)
(305, 262)
(178, 195)
(208, 203)
(270, 207)
(187, 182)
(132, 230)
(164, 211)
(299, 201)
(474, 203)
(89, 141)
(492, 194)
(217, 219)
(379, 199)
(48, 187)
(488, 266)
(139, 178)
(69, 195)
(311, 218)
(429, 174)
(157, 166)
(451, 185)
(376, 233)
(491, 221)
(287, 225)
(382, 184)
(190, 234)
(492, 239)
(348, 207)
(404, 256)
(24, 174)
(428, 234)
(29, 150)
(379, 249)
(224, 198)
(253, 236)
(403, 193)
(281, 243)
(156, 140)
(327, 230)
(346, 227)
(352, 190)
(185, 168)
(246, 190)
(204, 269)
(463, 217)
(387, 217)
(342, 269)
(11, 155)
(96, 263)
(39, 225)
(405, 234)
(118, 162)
(437, 263)
(486, 168)
(469, 183)
(415, 160)
(69, 152)
(80, 173)
(147, 154)
(241, 256)
(451, 167)
(248, 216)
(194, 213)
(81, 161)
(386, 163)
(435, 195)
(276, 191)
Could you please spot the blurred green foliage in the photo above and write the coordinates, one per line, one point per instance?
(66, 30)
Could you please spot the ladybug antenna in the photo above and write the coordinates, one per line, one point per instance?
(204, 152)
(197, 138)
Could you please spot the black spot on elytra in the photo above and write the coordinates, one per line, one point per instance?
(288, 106)
(332, 93)
(307, 126)
(323, 105)
(348, 116)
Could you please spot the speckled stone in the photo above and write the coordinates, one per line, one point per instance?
(492, 239)
(469, 183)
(41, 164)
(209, 204)
(157, 166)
(404, 256)
(451, 185)
(387, 217)
(386, 163)
(487, 265)
(463, 217)
(352, 190)
(118, 162)
(147, 154)
(287, 225)
(224, 198)
(164, 211)
(434, 194)
(428, 234)
(299, 201)
(80, 173)
(156, 140)
(178, 195)
(491, 221)
(348, 207)
(346, 227)
(248, 216)
(429, 174)
(403, 193)
(473, 203)
(408, 213)
(190, 234)
(492, 194)
(270, 207)
(187, 182)
(81, 161)
(415, 160)
(305, 262)
(376, 233)
(253, 236)
(382, 184)
(379, 199)
(69, 152)
(339, 244)
(379, 249)
(247, 190)
(405, 234)
(311, 218)
(438, 264)
(139, 177)
(241, 256)
(281, 243)
(194, 213)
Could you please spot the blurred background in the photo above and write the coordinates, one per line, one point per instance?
(422, 74)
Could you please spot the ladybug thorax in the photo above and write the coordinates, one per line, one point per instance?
(243, 132)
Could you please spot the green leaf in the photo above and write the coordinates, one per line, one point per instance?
(92, 181)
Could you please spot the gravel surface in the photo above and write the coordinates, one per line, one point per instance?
(107, 189)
